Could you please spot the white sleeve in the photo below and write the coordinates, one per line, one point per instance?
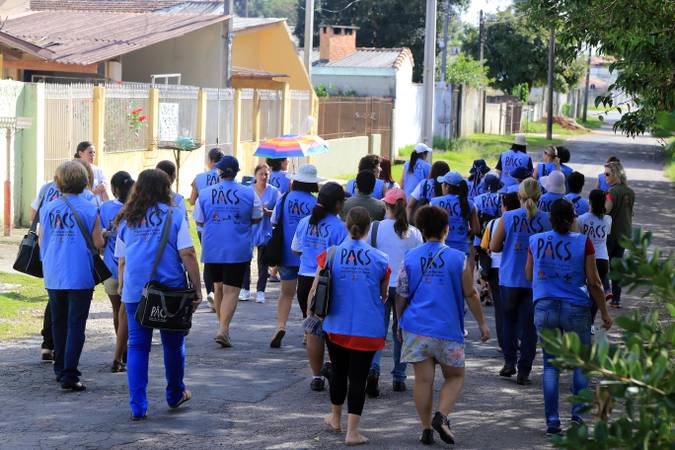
(257, 212)
(296, 244)
(184, 239)
(35, 204)
(197, 212)
(417, 192)
(120, 247)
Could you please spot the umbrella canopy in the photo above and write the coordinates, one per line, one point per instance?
(292, 145)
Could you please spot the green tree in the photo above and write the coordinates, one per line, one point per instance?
(284, 9)
(638, 33)
(464, 69)
(516, 52)
(382, 23)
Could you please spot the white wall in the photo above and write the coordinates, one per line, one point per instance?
(363, 85)
(408, 113)
(342, 158)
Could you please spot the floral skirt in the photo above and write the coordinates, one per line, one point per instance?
(418, 348)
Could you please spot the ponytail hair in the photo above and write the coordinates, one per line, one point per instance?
(121, 184)
(358, 222)
(597, 200)
(529, 193)
(329, 199)
(462, 191)
(552, 151)
(401, 223)
(414, 156)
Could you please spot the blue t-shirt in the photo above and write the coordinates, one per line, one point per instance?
(411, 180)
(312, 240)
(458, 226)
(476, 187)
(517, 231)
(510, 188)
(511, 159)
(356, 308)
(436, 301)
(546, 200)
(48, 193)
(227, 234)
(580, 204)
(488, 205)
(262, 231)
(559, 267)
(279, 179)
(298, 204)
(545, 169)
(206, 179)
(378, 190)
(141, 243)
(108, 211)
(66, 260)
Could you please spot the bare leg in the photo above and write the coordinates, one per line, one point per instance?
(334, 419)
(122, 334)
(354, 436)
(288, 288)
(452, 386)
(217, 298)
(228, 307)
(315, 350)
(423, 391)
(115, 301)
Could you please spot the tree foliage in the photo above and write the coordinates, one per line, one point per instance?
(640, 34)
(382, 23)
(284, 9)
(635, 397)
(465, 70)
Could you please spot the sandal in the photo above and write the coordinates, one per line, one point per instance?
(186, 397)
(278, 336)
(118, 367)
(224, 340)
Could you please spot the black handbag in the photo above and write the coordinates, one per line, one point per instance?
(273, 251)
(28, 258)
(101, 271)
(322, 294)
(163, 307)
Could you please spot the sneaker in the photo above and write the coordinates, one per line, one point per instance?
(399, 386)
(466, 332)
(317, 384)
(46, 355)
(553, 430)
(614, 304)
(75, 386)
(273, 279)
(244, 295)
(592, 330)
(327, 371)
(437, 423)
(523, 379)
(117, 367)
(427, 437)
(210, 298)
(260, 297)
(507, 371)
(576, 420)
(372, 382)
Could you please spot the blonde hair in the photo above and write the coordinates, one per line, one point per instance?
(553, 150)
(529, 193)
(88, 169)
(617, 171)
(71, 177)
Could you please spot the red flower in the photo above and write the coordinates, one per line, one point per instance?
(136, 111)
(141, 118)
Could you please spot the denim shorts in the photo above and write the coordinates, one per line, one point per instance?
(288, 273)
(313, 325)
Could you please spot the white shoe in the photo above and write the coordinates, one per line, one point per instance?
(244, 295)
(592, 330)
(260, 297)
(210, 298)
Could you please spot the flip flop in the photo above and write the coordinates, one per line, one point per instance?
(186, 397)
(278, 336)
(224, 340)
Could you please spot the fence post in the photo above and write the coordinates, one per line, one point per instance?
(98, 123)
(286, 109)
(153, 119)
(236, 130)
(256, 115)
(201, 117)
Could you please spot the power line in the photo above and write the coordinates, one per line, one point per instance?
(349, 5)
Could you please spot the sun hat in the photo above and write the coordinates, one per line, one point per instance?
(451, 178)
(394, 195)
(554, 182)
(492, 183)
(479, 166)
(229, 166)
(519, 139)
(307, 174)
(520, 173)
(422, 148)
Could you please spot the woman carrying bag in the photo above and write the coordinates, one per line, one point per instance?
(68, 268)
(141, 224)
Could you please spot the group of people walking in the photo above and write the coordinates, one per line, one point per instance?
(398, 255)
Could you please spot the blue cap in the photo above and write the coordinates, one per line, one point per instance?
(492, 183)
(451, 178)
(229, 166)
(520, 173)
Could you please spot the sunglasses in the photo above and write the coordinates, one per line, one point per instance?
(608, 174)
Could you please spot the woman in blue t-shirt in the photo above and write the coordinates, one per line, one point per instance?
(550, 164)
(120, 184)
(477, 173)
(68, 268)
(322, 229)
(290, 209)
(432, 285)
(561, 267)
(169, 168)
(416, 169)
(141, 223)
(426, 189)
(554, 184)
(279, 177)
(462, 213)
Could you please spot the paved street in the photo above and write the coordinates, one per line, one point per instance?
(252, 396)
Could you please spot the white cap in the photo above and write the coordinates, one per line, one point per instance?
(554, 182)
(519, 139)
(307, 173)
(422, 147)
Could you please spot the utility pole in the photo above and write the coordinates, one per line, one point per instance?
(481, 37)
(309, 36)
(429, 72)
(228, 34)
(588, 83)
(549, 107)
(444, 55)
(245, 8)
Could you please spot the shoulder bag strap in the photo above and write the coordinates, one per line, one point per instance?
(331, 257)
(576, 200)
(431, 261)
(162, 243)
(280, 216)
(82, 227)
(36, 219)
(373, 234)
(425, 190)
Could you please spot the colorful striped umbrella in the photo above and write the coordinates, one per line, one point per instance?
(292, 145)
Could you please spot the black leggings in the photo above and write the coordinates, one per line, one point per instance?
(262, 273)
(304, 286)
(350, 368)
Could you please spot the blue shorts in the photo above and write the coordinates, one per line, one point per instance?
(288, 273)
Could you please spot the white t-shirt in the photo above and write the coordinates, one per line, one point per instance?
(597, 230)
(99, 178)
(495, 257)
(389, 243)
(183, 240)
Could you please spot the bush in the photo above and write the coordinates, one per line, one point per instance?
(441, 143)
(567, 110)
(321, 91)
(522, 91)
(637, 374)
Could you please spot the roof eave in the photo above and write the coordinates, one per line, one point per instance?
(25, 46)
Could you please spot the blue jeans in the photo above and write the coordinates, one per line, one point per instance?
(138, 355)
(518, 323)
(398, 374)
(566, 317)
(69, 311)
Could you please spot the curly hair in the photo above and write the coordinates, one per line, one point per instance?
(153, 186)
